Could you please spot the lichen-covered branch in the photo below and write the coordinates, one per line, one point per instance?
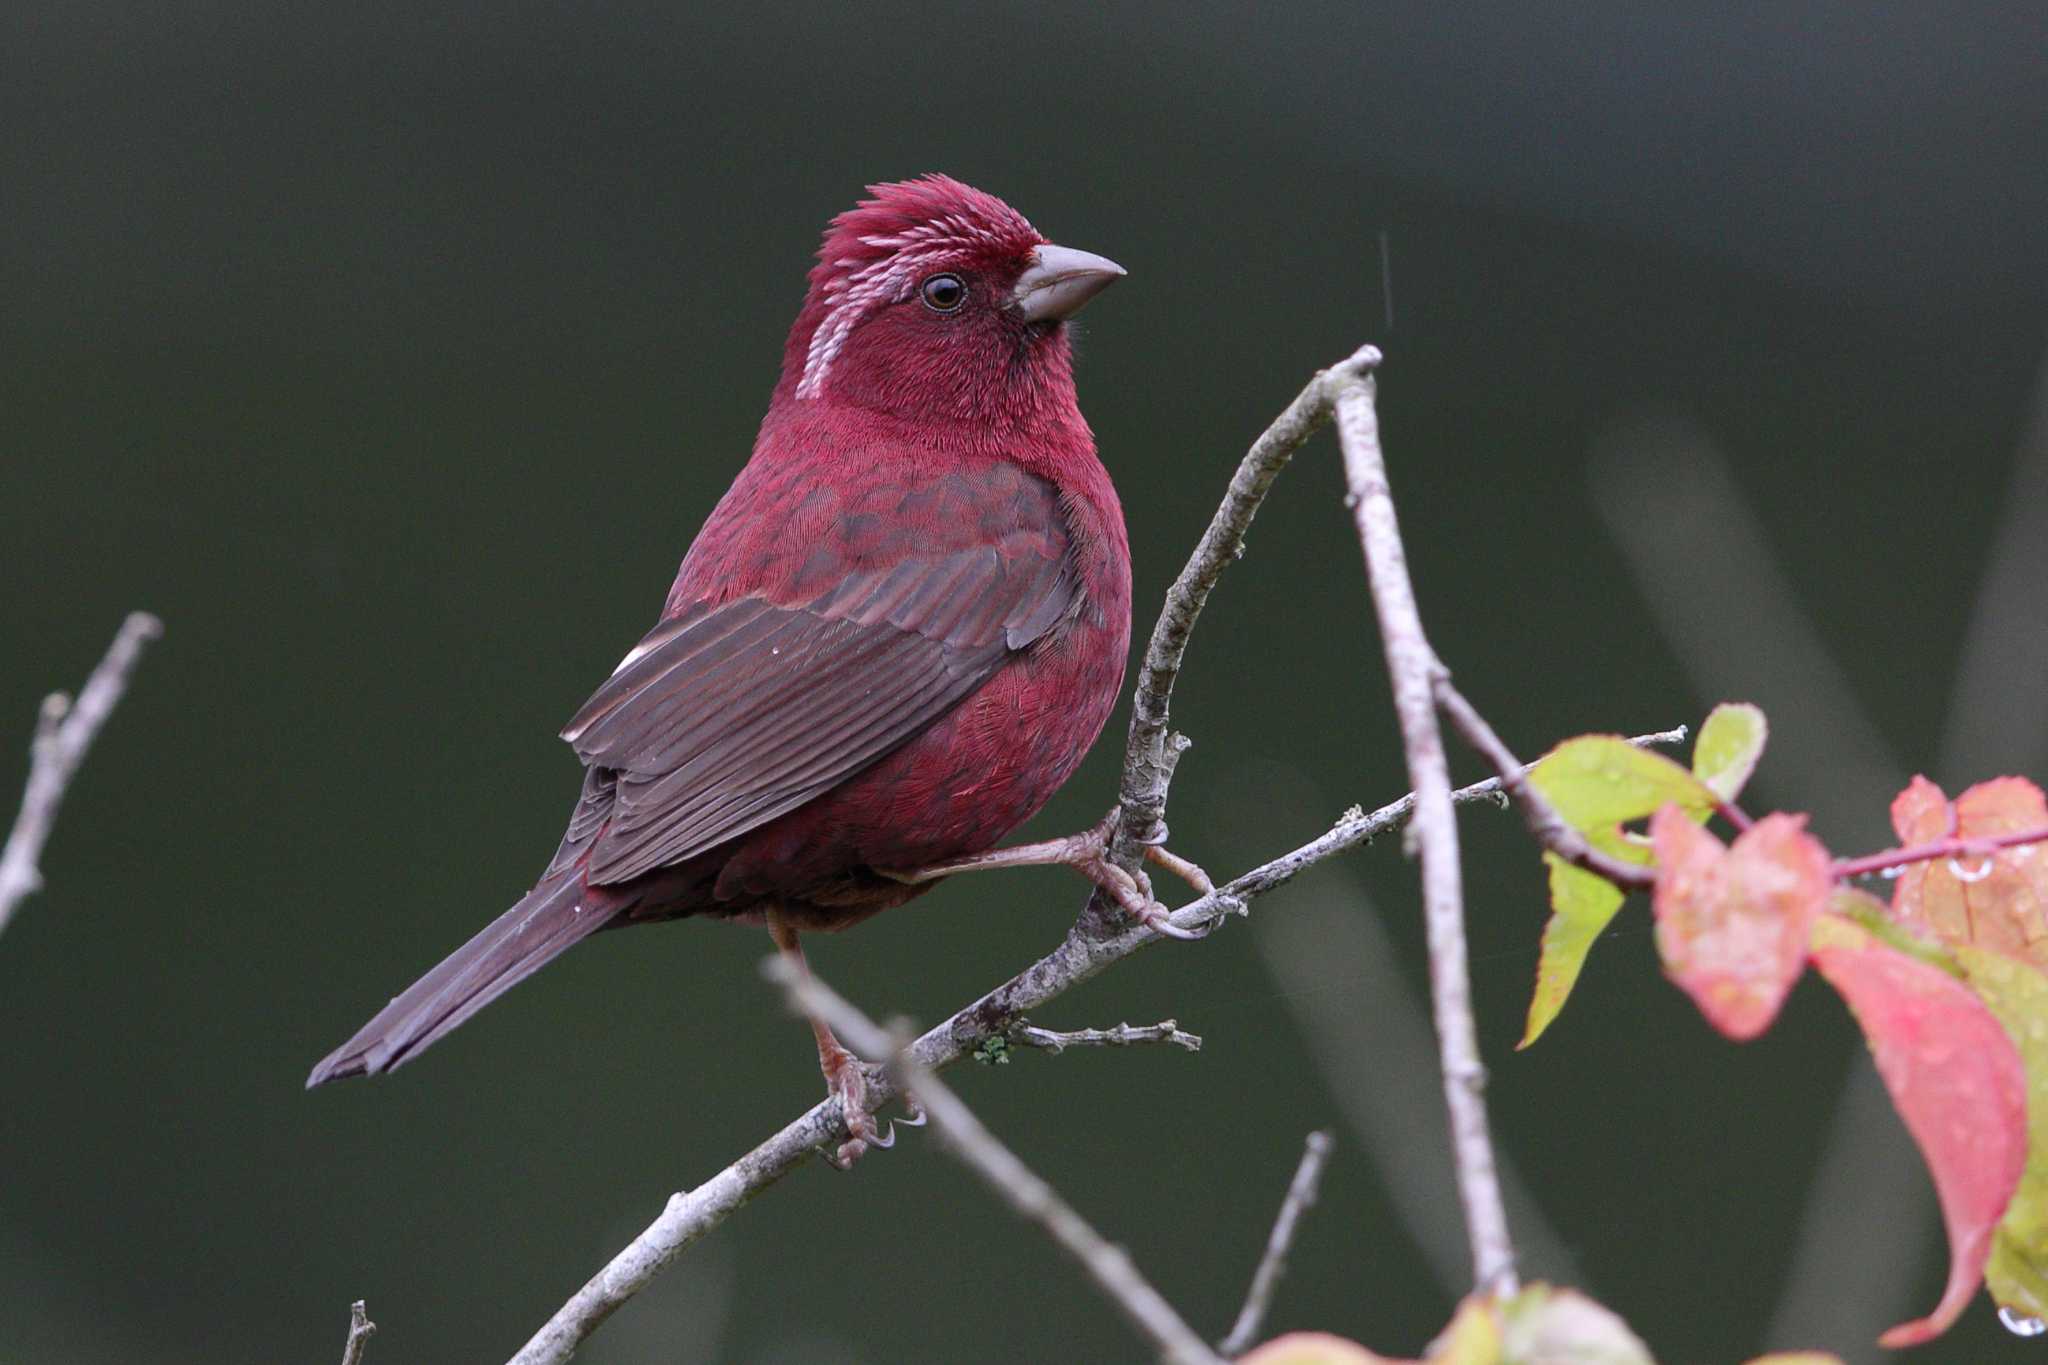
(1025, 1034)
(64, 731)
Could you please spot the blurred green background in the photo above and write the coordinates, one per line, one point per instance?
(392, 353)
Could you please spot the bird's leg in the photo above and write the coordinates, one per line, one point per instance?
(844, 1079)
(1088, 854)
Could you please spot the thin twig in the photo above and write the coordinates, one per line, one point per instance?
(1095, 941)
(1301, 1194)
(360, 1330)
(1414, 670)
(1151, 752)
(968, 1139)
(1543, 820)
(1025, 1034)
(64, 731)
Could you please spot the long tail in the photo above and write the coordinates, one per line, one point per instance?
(547, 922)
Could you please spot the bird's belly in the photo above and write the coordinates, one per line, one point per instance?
(957, 789)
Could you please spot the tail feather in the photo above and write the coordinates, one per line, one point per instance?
(547, 922)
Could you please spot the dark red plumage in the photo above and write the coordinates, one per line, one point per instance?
(896, 636)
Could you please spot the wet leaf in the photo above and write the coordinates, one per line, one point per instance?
(1543, 1325)
(2017, 994)
(1600, 781)
(1733, 922)
(1730, 743)
(1582, 904)
(1957, 1082)
(2000, 903)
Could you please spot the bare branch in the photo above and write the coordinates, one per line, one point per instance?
(1301, 1194)
(1414, 669)
(968, 1139)
(1024, 1034)
(1096, 940)
(64, 731)
(360, 1330)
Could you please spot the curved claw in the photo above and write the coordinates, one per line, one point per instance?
(1156, 919)
(914, 1116)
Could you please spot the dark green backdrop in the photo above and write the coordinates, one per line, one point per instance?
(393, 352)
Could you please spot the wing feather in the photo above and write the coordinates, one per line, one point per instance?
(730, 714)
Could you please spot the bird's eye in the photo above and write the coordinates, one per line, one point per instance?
(944, 293)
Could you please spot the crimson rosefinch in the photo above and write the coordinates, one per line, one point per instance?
(894, 639)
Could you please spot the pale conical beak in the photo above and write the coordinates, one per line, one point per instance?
(1060, 280)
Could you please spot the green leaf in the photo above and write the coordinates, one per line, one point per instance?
(2017, 994)
(1582, 904)
(1600, 781)
(1730, 743)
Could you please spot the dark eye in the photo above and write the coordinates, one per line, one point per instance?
(944, 293)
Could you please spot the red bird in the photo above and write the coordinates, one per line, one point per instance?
(897, 635)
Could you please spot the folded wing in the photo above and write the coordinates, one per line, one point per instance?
(733, 713)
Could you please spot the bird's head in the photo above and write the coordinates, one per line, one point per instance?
(933, 299)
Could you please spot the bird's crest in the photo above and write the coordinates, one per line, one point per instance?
(875, 253)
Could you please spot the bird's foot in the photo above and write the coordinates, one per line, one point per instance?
(1088, 854)
(1133, 890)
(846, 1081)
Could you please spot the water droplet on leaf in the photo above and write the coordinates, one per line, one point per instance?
(2019, 1324)
(1973, 874)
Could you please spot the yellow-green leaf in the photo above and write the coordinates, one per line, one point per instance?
(1730, 743)
(1600, 781)
(1473, 1338)
(1547, 1326)
(1597, 782)
(1582, 904)
(2017, 994)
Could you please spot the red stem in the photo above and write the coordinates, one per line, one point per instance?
(1940, 848)
(1733, 814)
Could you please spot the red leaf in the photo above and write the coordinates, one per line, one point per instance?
(1956, 1080)
(1733, 923)
(2000, 904)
